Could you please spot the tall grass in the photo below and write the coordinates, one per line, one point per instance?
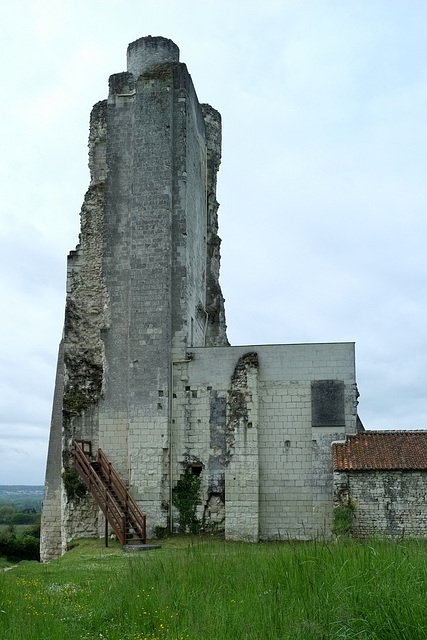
(221, 591)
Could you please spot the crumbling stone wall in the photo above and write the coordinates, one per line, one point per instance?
(81, 360)
(86, 317)
(214, 434)
(242, 474)
(215, 308)
(391, 503)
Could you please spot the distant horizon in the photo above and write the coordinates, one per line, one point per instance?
(21, 485)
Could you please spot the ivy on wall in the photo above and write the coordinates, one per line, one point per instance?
(74, 487)
(184, 498)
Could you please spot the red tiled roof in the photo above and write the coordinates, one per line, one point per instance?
(372, 450)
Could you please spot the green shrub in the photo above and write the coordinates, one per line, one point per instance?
(161, 532)
(343, 518)
(24, 546)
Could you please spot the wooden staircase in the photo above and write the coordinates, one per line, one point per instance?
(111, 495)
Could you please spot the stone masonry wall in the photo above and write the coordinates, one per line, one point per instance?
(291, 457)
(154, 265)
(393, 502)
(189, 220)
(137, 257)
(51, 543)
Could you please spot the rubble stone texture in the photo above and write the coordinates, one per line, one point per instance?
(145, 370)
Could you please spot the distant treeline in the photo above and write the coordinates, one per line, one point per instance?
(20, 508)
(10, 515)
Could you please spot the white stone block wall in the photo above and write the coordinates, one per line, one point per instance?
(285, 460)
(295, 486)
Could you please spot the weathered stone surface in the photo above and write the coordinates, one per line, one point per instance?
(137, 287)
(388, 502)
(146, 52)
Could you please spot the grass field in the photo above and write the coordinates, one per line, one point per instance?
(210, 590)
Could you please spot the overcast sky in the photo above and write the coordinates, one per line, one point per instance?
(322, 184)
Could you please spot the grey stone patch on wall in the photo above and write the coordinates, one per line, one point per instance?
(215, 499)
(217, 423)
(327, 403)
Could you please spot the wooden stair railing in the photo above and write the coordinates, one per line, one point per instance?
(109, 492)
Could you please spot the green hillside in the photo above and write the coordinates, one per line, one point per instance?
(22, 496)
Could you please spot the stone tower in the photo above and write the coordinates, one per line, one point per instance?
(145, 371)
(142, 284)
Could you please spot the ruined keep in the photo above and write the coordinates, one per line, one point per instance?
(145, 371)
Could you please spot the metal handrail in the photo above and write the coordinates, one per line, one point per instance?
(103, 487)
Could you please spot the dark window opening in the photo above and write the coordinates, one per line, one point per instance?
(196, 469)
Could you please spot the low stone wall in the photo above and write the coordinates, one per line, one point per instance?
(392, 502)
